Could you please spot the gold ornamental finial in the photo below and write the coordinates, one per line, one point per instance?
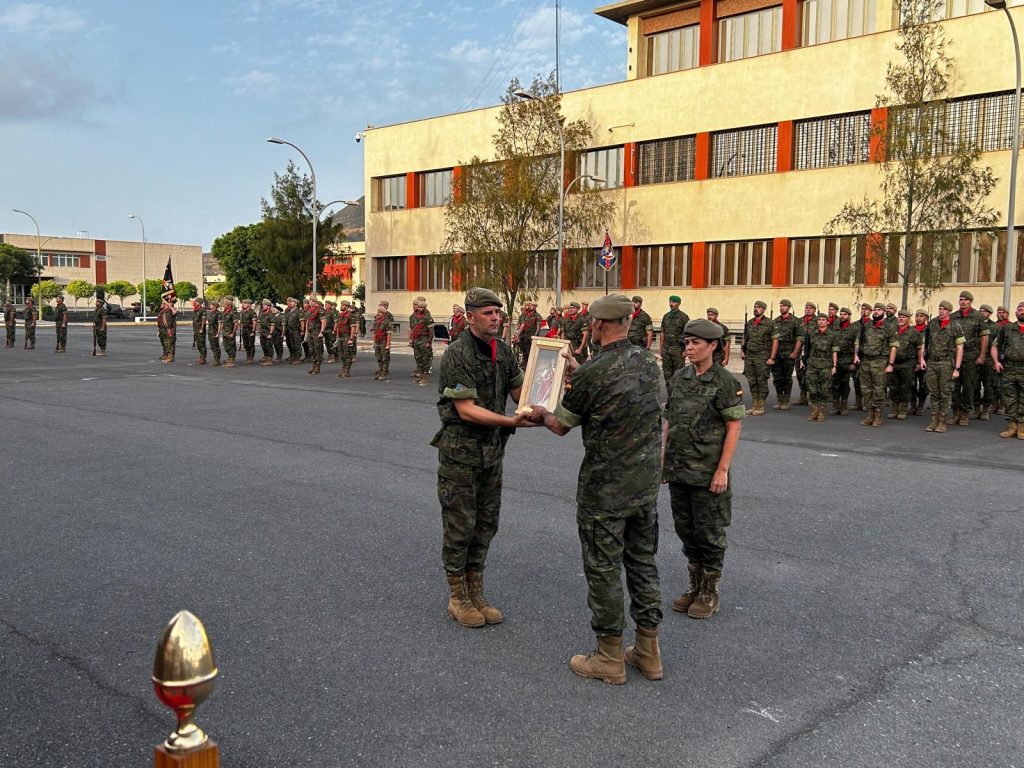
(183, 677)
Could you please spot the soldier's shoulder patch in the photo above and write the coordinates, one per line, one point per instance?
(459, 387)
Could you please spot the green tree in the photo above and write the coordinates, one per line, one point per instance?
(185, 291)
(359, 292)
(245, 272)
(218, 291)
(504, 210)
(153, 290)
(15, 263)
(933, 187)
(285, 247)
(49, 289)
(120, 288)
(80, 289)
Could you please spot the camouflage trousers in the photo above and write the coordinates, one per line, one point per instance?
(963, 387)
(611, 540)
(346, 350)
(940, 385)
(316, 347)
(200, 341)
(424, 356)
(214, 343)
(294, 343)
(525, 342)
(30, 337)
(756, 372)
(62, 337)
(920, 391)
(230, 346)
(818, 381)
(574, 344)
(872, 382)
(1012, 391)
(10, 335)
(266, 345)
(167, 341)
(671, 361)
(782, 375)
(470, 504)
(701, 518)
(987, 391)
(383, 355)
(101, 340)
(277, 338)
(841, 381)
(901, 381)
(329, 341)
(249, 342)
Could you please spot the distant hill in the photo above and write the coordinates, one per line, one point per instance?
(353, 219)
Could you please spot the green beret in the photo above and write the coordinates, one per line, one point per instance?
(639, 298)
(675, 298)
(879, 305)
(945, 304)
(613, 307)
(703, 329)
(904, 313)
(811, 304)
(574, 304)
(921, 312)
(967, 295)
(821, 316)
(1001, 308)
(786, 303)
(865, 305)
(481, 297)
(712, 311)
(986, 308)
(266, 302)
(760, 304)
(833, 305)
(292, 298)
(247, 301)
(846, 310)
(890, 304)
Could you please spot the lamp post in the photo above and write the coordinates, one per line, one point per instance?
(1011, 234)
(39, 259)
(313, 208)
(523, 95)
(139, 219)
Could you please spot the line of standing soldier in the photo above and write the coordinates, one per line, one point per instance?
(60, 322)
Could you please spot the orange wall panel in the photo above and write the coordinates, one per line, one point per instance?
(708, 33)
(790, 24)
(412, 275)
(874, 258)
(784, 158)
(412, 190)
(627, 267)
(629, 160)
(702, 156)
(699, 265)
(780, 262)
(876, 149)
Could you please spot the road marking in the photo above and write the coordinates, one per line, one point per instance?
(760, 711)
(831, 455)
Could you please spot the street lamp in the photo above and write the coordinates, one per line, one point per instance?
(523, 95)
(39, 259)
(313, 208)
(139, 219)
(347, 203)
(1011, 235)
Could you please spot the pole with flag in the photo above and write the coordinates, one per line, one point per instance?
(606, 260)
(167, 291)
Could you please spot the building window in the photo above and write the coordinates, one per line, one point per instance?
(435, 273)
(666, 160)
(435, 188)
(592, 275)
(826, 260)
(828, 141)
(674, 50)
(983, 122)
(968, 258)
(61, 260)
(390, 273)
(740, 263)
(663, 266)
(750, 34)
(826, 20)
(540, 274)
(389, 193)
(744, 152)
(604, 164)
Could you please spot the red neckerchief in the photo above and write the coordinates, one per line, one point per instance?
(494, 350)
(635, 313)
(878, 323)
(902, 330)
(1003, 322)
(807, 319)
(1020, 327)
(964, 314)
(758, 319)
(845, 325)
(920, 328)
(944, 323)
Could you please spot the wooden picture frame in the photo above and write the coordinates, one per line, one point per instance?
(544, 382)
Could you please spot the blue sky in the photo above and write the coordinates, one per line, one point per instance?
(162, 108)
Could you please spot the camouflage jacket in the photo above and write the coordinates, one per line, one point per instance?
(421, 329)
(99, 319)
(1010, 341)
(293, 319)
(818, 347)
(246, 318)
(672, 324)
(456, 327)
(973, 326)
(332, 319)
(267, 322)
(166, 319)
(573, 329)
(942, 341)
(638, 329)
(382, 325)
(993, 331)
(757, 336)
(907, 344)
(344, 323)
(787, 330)
(875, 340)
(718, 355)
(468, 373)
(847, 339)
(529, 322)
(212, 323)
(614, 397)
(198, 318)
(60, 315)
(30, 317)
(228, 319)
(10, 318)
(698, 408)
(314, 324)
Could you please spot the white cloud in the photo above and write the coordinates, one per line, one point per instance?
(37, 88)
(253, 82)
(35, 19)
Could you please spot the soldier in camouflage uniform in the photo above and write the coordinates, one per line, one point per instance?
(316, 329)
(808, 323)
(865, 318)
(701, 432)
(786, 341)
(303, 316)
(1002, 320)
(919, 392)
(847, 334)
(247, 323)
(876, 349)
(457, 325)
(266, 324)
(199, 331)
(478, 375)
(167, 323)
(976, 341)
(382, 325)
(277, 337)
(99, 328)
(820, 363)
(574, 329)
(909, 358)
(529, 326)
(421, 339)
(30, 324)
(1008, 359)
(641, 329)
(10, 322)
(944, 352)
(671, 338)
(754, 351)
(985, 393)
(229, 330)
(722, 352)
(346, 329)
(213, 330)
(60, 323)
(331, 315)
(293, 330)
(614, 397)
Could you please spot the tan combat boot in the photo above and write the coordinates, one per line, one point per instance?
(867, 420)
(985, 410)
(813, 416)
(821, 411)
(844, 408)
(895, 412)
(876, 417)
(475, 590)
(230, 363)
(707, 603)
(346, 371)
(645, 655)
(606, 663)
(685, 600)
(459, 606)
(384, 373)
(1011, 430)
(803, 399)
(933, 423)
(1020, 430)
(836, 408)
(952, 418)
(901, 412)
(962, 417)
(940, 425)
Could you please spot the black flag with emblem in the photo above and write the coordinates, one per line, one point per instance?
(168, 289)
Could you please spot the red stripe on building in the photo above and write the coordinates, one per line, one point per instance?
(879, 120)
(780, 262)
(784, 158)
(699, 265)
(627, 267)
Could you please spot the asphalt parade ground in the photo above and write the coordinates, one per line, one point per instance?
(871, 598)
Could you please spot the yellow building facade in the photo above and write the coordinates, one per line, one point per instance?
(742, 127)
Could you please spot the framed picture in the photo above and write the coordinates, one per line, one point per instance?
(545, 374)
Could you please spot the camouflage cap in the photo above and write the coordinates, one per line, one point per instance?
(845, 310)
(457, 308)
(986, 308)
(821, 316)
(760, 304)
(267, 303)
(345, 303)
(811, 304)
(904, 313)
(613, 307)
(786, 302)
(890, 305)
(833, 305)
(575, 304)
(946, 304)
(675, 298)
(419, 301)
(247, 301)
(1020, 304)
(712, 311)
(921, 312)
(879, 305)
(227, 300)
(330, 303)
(703, 329)
(638, 298)
(967, 295)
(865, 305)
(481, 297)
(1001, 308)
(292, 298)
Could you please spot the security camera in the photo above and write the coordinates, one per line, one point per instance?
(359, 136)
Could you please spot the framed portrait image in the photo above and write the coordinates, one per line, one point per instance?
(545, 374)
